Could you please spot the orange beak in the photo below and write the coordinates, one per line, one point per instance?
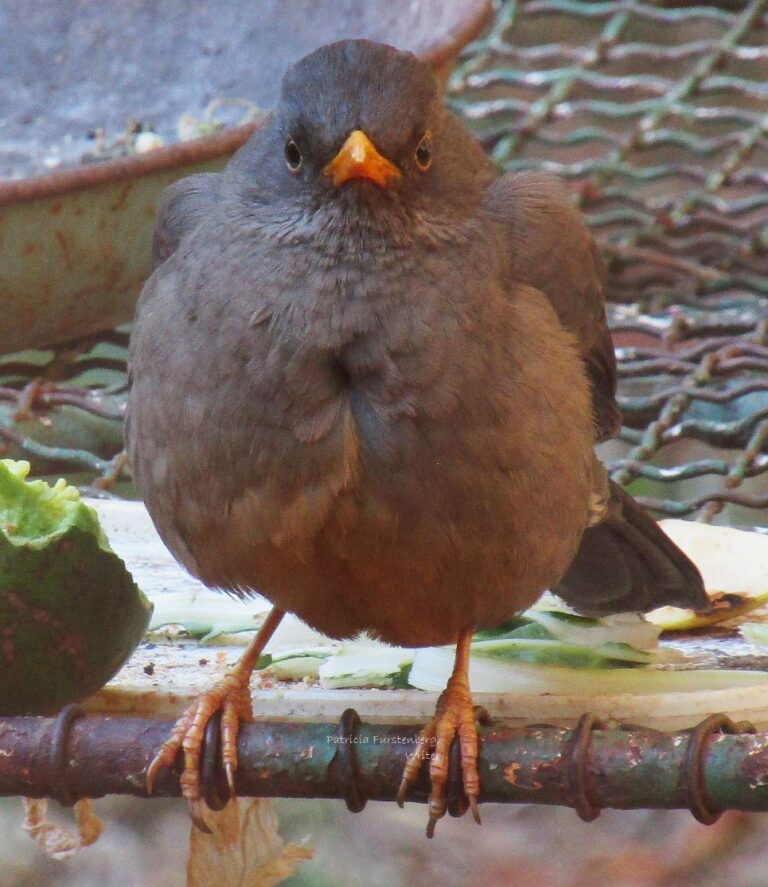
(358, 158)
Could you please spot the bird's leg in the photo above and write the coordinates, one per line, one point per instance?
(232, 696)
(454, 716)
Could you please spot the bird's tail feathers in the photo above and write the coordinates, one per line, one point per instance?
(627, 563)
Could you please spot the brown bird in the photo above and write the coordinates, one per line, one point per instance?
(368, 374)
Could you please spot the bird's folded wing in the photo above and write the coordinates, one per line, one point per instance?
(552, 250)
(182, 206)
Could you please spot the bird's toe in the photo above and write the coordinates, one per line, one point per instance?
(231, 696)
(454, 720)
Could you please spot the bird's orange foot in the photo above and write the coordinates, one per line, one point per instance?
(454, 717)
(232, 697)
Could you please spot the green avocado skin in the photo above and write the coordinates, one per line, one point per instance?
(70, 616)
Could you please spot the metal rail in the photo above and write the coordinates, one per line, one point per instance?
(717, 766)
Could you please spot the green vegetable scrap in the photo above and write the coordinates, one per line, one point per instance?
(204, 614)
(367, 664)
(70, 613)
(542, 640)
(432, 667)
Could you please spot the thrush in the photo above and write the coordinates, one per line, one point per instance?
(367, 377)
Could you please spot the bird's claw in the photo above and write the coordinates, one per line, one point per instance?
(232, 697)
(454, 720)
(229, 771)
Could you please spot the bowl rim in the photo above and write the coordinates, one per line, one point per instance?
(211, 147)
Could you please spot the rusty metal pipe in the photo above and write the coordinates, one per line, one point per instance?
(588, 767)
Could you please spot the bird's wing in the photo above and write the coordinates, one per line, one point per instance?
(552, 250)
(180, 209)
(625, 561)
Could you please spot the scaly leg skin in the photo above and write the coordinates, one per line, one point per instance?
(454, 715)
(232, 695)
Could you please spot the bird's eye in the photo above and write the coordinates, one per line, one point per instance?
(424, 152)
(292, 155)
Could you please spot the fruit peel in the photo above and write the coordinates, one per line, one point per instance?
(70, 612)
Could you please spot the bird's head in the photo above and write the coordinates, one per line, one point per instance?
(361, 125)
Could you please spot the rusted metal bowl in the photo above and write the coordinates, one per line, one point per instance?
(74, 243)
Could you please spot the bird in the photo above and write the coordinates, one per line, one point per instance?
(366, 380)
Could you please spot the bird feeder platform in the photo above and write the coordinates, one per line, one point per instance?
(308, 741)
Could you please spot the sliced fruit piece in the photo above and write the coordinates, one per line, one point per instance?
(70, 613)
(734, 566)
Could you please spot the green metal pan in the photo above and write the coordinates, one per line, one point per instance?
(74, 242)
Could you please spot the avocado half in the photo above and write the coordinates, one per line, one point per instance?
(70, 612)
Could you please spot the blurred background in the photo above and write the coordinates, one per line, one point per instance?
(145, 845)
